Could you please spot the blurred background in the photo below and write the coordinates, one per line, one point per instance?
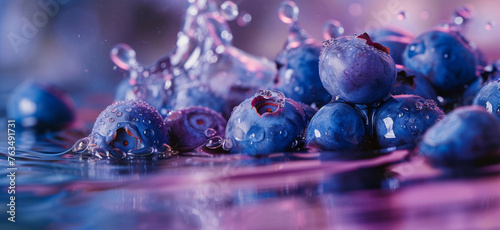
(67, 42)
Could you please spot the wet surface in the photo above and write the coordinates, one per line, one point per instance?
(283, 191)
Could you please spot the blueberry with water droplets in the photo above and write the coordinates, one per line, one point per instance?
(40, 106)
(403, 119)
(356, 69)
(466, 138)
(266, 123)
(411, 82)
(337, 126)
(298, 75)
(489, 98)
(445, 58)
(191, 127)
(129, 126)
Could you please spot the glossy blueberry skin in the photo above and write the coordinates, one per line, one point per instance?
(298, 75)
(403, 119)
(355, 71)
(40, 106)
(468, 136)
(396, 45)
(337, 126)
(445, 58)
(129, 125)
(411, 82)
(489, 98)
(266, 123)
(188, 128)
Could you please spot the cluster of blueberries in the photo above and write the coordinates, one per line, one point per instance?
(356, 95)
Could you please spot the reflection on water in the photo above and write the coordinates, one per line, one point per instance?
(283, 191)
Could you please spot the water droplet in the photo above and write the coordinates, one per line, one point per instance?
(149, 133)
(128, 109)
(227, 145)
(419, 106)
(283, 133)
(114, 110)
(405, 108)
(111, 119)
(489, 25)
(294, 143)
(229, 10)
(400, 114)
(402, 15)
(332, 29)
(346, 72)
(425, 14)
(403, 126)
(288, 12)
(146, 121)
(81, 145)
(119, 114)
(462, 15)
(446, 56)
(255, 134)
(210, 132)
(123, 56)
(244, 19)
(214, 142)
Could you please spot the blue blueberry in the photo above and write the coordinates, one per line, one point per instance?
(40, 106)
(402, 120)
(468, 136)
(191, 127)
(266, 123)
(129, 126)
(396, 46)
(337, 126)
(357, 70)
(298, 75)
(411, 82)
(445, 58)
(489, 98)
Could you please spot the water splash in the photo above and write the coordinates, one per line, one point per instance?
(230, 10)
(288, 12)
(332, 29)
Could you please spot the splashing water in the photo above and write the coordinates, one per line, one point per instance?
(230, 10)
(332, 29)
(288, 12)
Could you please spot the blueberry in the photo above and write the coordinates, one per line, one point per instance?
(131, 127)
(396, 45)
(40, 106)
(266, 123)
(381, 33)
(337, 126)
(468, 136)
(402, 120)
(356, 69)
(411, 82)
(489, 97)
(298, 75)
(445, 58)
(191, 127)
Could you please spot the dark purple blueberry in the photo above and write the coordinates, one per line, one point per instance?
(445, 58)
(191, 127)
(468, 136)
(266, 123)
(396, 46)
(298, 75)
(489, 98)
(403, 119)
(356, 69)
(337, 126)
(130, 126)
(411, 82)
(40, 106)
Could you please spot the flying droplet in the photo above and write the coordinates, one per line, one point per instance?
(288, 12)
(123, 56)
(210, 132)
(81, 145)
(402, 15)
(229, 10)
(489, 25)
(244, 19)
(332, 29)
(214, 142)
(462, 15)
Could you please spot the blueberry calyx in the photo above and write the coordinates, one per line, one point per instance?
(369, 41)
(268, 102)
